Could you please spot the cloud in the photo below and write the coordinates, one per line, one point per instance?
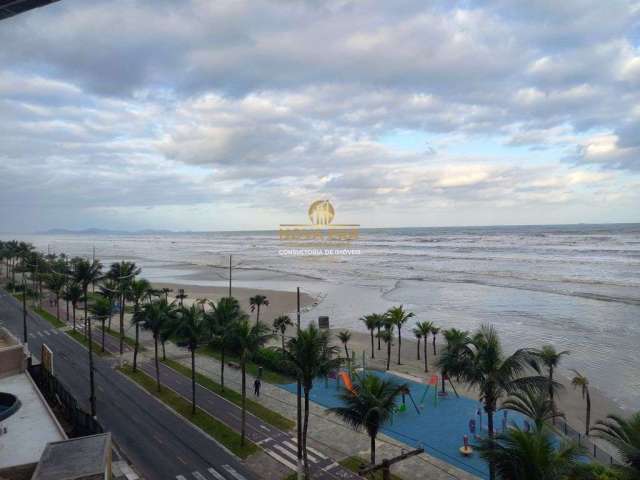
(265, 103)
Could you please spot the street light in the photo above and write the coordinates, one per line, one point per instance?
(92, 395)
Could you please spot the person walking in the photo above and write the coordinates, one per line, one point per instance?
(256, 387)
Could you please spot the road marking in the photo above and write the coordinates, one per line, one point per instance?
(233, 473)
(215, 474)
(264, 428)
(181, 460)
(198, 475)
(278, 458)
(180, 477)
(293, 456)
(331, 466)
(309, 452)
(157, 439)
(47, 332)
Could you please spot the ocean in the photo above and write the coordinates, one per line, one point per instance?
(575, 286)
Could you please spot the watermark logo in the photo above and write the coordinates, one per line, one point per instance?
(320, 231)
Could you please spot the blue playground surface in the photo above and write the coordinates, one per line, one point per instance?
(438, 428)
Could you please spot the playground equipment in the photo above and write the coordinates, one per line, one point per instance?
(346, 380)
(466, 449)
(403, 406)
(433, 382)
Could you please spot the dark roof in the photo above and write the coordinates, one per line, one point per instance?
(75, 458)
(9, 8)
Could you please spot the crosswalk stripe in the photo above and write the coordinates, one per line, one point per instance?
(198, 475)
(309, 456)
(180, 477)
(215, 474)
(286, 452)
(47, 332)
(280, 459)
(233, 472)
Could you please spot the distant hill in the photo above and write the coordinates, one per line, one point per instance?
(102, 231)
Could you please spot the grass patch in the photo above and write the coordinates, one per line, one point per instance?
(97, 348)
(260, 411)
(267, 375)
(49, 317)
(353, 464)
(128, 340)
(218, 430)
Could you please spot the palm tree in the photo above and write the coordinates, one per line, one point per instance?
(398, 317)
(86, 273)
(550, 358)
(423, 328)
(624, 434)
(123, 273)
(248, 339)
(74, 295)
(221, 319)
(55, 283)
(482, 364)
(280, 324)
(344, 336)
(370, 405)
(311, 356)
(582, 382)
(109, 289)
(434, 333)
(181, 296)
(139, 290)
(380, 320)
(535, 455)
(166, 291)
(156, 316)
(101, 309)
(387, 337)
(191, 328)
(256, 302)
(418, 334)
(371, 322)
(456, 340)
(532, 403)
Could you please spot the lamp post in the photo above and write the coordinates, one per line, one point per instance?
(92, 388)
(24, 311)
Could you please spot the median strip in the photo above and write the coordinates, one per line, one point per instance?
(260, 411)
(218, 430)
(97, 349)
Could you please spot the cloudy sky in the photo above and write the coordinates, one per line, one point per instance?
(237, 114)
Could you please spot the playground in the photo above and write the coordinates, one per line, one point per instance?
(426, 418)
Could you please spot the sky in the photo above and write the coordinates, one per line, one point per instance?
(237, 114)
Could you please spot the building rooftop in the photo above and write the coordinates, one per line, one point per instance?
(75, 458)
(9, 8)
(30, 428)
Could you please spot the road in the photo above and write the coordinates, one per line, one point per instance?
(160, 444)
(281, 446)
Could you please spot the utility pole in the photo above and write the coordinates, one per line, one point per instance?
(92, 395)
(299, 395)
(230, 256)
(24, 311)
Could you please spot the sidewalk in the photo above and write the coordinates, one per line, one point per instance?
(326, 433)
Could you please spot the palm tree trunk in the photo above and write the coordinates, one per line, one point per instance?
(258, 315)
(155, 349)
(346, 351)
(426, 360)
(434, 345)
(399, 344)
(135, 348)
(305, 427)
(419, 348)
(122, 304)
(58, 306)
(67, 302)
(244, 400)
(388, 354)
(373, 449)
(222, 368)
(372, 349)
(102, 336)
(74, 317)
(378, 338)
(193, 381)
(492, 467)
(164, 352)
(588, 422)
(553, 405)
(283, 341)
